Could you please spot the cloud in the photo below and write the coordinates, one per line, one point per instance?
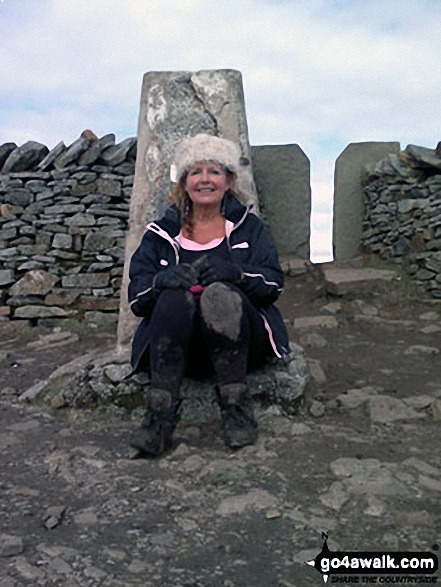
(321, 73)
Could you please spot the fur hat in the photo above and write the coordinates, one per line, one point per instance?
(203, 148)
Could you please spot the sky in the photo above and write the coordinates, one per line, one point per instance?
(317, 73)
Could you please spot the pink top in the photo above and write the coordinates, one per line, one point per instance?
(190, 245)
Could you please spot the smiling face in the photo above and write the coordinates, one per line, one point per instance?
(206, 184)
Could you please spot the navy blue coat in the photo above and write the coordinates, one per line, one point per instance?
(250, 247)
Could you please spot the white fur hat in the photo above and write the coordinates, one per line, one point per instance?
(202, 148)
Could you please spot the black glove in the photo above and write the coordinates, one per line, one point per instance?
(212, 268)
(181, 276)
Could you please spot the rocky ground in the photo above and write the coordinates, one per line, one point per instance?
(361, 461)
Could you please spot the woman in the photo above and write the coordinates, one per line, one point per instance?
(204, 279)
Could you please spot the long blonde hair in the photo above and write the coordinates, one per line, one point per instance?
(185, 206)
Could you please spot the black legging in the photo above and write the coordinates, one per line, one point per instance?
(221, 333)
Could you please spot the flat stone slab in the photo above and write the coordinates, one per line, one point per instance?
(341, 281)
(316, 322)
(385, 409)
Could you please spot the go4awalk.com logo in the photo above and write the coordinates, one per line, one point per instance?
(387, 568)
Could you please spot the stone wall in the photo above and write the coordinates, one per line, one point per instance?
(63, 222)
(64, 218)
(348, 194)
(402, 217)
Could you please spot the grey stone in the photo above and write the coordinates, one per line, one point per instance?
(282, 176)
(8, 253)
(429, 483)
(5, 150)
(53, 340)
(30, 312)
(316, 322)
(25, 157)
(117, 372)
(317, 373)
(316, 409)
(51, 156)
(341, 281)
(299, 428)
(28, 571)
(99, 241)
(10, 545)
(17, 301)
(45, 195)
(423, 155)
(94, 152)
(7, 277)
(35, 282)
(86, 280)
(80, 219)
(96, 267)
(108, 187)
(385, 409)
(62, 241)
(64, 209)
(72, 153)
(107, 212)
(436, 409)
(419, 349)
(257, 499)
(366, 477)
(19, 197)
(175, 105)
(349, 196)
(353, 398)
(116, 154)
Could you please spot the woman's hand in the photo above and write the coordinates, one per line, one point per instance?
(181, 276)
(212, 268)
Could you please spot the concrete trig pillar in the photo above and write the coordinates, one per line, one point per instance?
(175, 105)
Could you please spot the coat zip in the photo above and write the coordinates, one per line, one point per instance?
(164, 234)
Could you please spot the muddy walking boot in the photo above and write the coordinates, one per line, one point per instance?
(238, 423)
(154, 436)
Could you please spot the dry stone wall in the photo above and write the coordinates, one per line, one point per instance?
(63, 222)
(402, 217)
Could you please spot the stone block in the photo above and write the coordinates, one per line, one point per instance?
(25, 157)
(349, 194)
(7, 210)
(5, 150)
(341, 281)
(51, 156)
(175, 105)
(116, 155)
(108, 187)
(99, 241)
(72, 153)
(31, 312)
(316, 322)
(36, 282)
(86, 280)
(62, 298)
(7, 277)
(282, 176)
(62, 241)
